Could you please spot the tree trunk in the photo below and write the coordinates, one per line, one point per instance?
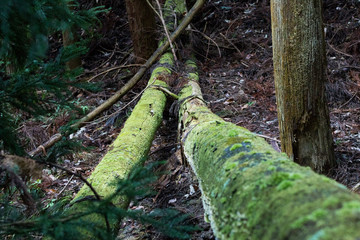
(299, 72)
(70, 37)
(250, 191)
(142, 27)
(131, 146)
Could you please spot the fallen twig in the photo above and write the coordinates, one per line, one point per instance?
(112, 69)
(346, 103)
(267, 137)
(160, 15)
(231, 43)
(208, 38)
(67, 184)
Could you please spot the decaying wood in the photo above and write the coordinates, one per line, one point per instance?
(300, 76)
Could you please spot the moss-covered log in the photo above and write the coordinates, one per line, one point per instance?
(250, 191)
(134, 141)
(130, 147)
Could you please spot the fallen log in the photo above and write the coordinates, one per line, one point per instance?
(129, 148)
(249, 190)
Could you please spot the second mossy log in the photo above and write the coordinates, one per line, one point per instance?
(126, 152)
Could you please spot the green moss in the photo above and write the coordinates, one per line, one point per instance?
(315, 217)
(233, 133)
(350, 208)
(130, 147)
(193, 76)
(191, 64)
(332, 202)
(233, 140)
(268, 186)
(167, 58)
(235, 146)
(271, 168)
(284, 185)
(230, 165)
(186, 92)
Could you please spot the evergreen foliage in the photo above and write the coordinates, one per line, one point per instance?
(57, 225)
(30, 81)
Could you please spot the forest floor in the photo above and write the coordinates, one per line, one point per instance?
(236, 76)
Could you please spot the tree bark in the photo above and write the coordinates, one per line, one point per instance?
(142, 27)
(250, 191)
(70, 37)
(299, 72)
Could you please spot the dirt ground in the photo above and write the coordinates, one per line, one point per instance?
(233, 48)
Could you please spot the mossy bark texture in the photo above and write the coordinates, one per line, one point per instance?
(299, 72)
(132, 144)
(250, 191)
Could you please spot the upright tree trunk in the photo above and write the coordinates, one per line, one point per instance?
(299, 71)
(70, 37)
(142, 27)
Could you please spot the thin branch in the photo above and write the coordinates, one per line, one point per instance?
(208, 38)
(112, 69)
(62, 190)
(160, 15)
(267, 137)
(165, 90)
(69, 172)
(54, 139)
(338, 51)
(231, 43)
(348, 101)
